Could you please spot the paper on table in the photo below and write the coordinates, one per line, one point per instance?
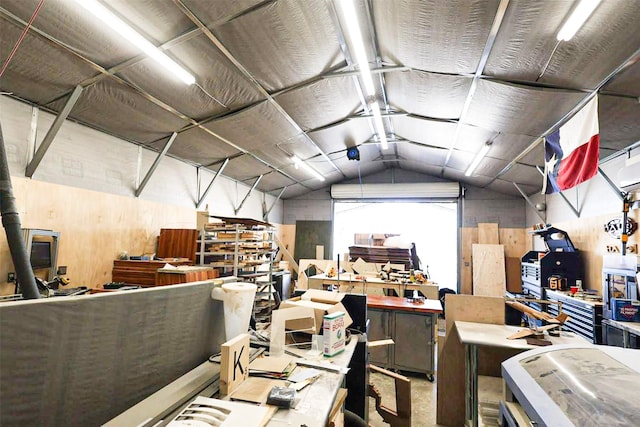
(301, 374)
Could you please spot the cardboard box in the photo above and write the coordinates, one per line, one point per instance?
(333, 333)
(323, 302)
(625, 310)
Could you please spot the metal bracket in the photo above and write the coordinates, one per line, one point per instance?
(266, 214)
(53, 131)
(614, 187)
(528, 200)
(206, 191)
(575, 211)
(156, 163)
(255, 184)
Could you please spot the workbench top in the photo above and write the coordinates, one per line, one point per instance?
(399, 303)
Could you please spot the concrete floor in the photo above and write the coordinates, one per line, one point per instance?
(423, 400)
(424, 397)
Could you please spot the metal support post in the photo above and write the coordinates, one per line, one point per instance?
(206, 191)
(156, 163)
(574, 210)
(255, 184)
(528, 200)
(266, 214)
(613, 186)
(53, 131)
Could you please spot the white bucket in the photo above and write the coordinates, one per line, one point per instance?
(237, 298)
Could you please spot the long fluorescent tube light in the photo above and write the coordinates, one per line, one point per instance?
(476, 161)
(355, 36)
(306, 167)
(377, 121)
(578, 17)
(131, 35)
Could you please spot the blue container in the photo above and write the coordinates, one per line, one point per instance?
(625, 310)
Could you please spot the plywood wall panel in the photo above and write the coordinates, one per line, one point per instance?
(95, 227)
(488, 270)
(488, 233)
(588, 236)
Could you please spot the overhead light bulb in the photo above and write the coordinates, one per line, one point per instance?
(577, 19)
(353, 28)
(306, 167)
(377, 122)
(132, 36)
(476, 161)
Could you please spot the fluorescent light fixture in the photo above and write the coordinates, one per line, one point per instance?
(377, 121)
(131, 35)
(476, 161)
(577, 18)
(306, 167)
(355, 36)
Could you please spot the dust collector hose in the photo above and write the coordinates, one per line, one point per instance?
(11, 224)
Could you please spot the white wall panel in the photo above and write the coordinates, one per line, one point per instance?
(83, 157)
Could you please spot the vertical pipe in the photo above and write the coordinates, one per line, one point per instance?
(11, 224)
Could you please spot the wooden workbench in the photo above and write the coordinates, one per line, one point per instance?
(349, 283)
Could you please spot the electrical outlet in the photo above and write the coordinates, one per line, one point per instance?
(11, 277)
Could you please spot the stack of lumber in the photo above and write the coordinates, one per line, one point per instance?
(381, 254)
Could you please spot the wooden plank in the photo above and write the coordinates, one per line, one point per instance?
(488, 234)
(178, 243)
(469, 236)
(451, 373)
(516, 241)
(489, 278)
(514, 275)
(234, 363)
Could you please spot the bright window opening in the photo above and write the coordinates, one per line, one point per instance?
(433, 227)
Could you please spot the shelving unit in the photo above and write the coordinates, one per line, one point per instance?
(244, 249)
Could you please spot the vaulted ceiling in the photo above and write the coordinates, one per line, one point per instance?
(277, 78)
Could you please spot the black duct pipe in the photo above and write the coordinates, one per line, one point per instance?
(11, 224)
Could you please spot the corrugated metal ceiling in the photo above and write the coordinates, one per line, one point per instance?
(273, 79)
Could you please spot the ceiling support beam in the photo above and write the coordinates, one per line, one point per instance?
(614, 187)
(155, 164)
(143, 93)
(575, 211)
(495, 27)
(206, 191)
(635, 57)
(53, 131)
(218, 44)
(253, 187)
(530, 203)
(265, 217)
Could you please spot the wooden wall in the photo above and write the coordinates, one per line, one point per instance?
(95, 227)
(516, 243)
(589, 237)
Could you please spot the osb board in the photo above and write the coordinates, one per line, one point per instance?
(589, 237)
(488, 234)
(451, 374)
(95, 227)
(489, 278)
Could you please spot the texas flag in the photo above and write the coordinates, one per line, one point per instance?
(571, 153)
